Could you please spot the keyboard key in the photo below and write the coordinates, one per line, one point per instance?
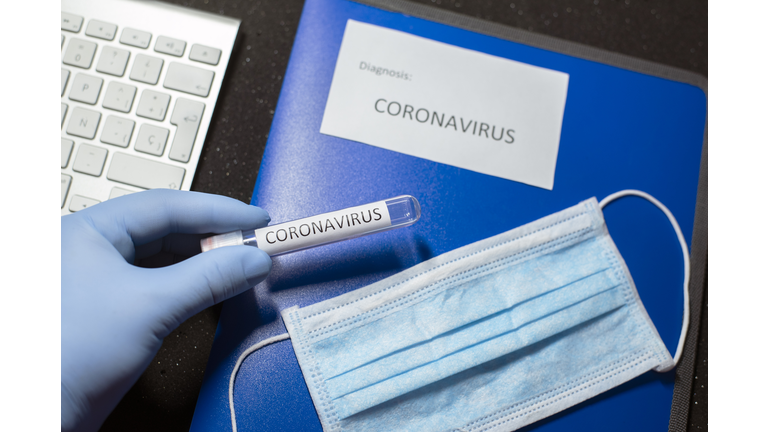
(113, 61)
(153, 105)
(188, 79)
(65, 182)
(101, 30)
(135, 38)
(85, 88)
(64, 79)
(117, 131)
(119, 97)
(186, 116)
(151, 139)
(118, 192)
(143, 173)
(90, 160)
(66, 151)
(170, 46)
(80, 202)
(63, 113)
(83, 122)
(71, 23)
(204, 54)
(146, 69)
(62, 41)
(80, 53)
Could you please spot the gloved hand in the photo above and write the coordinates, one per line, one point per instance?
(115, 315)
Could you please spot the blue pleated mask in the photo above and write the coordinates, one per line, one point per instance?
(492, 336)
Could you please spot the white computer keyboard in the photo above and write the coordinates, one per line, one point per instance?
(139, 82)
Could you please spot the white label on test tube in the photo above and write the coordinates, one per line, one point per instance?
(324, 228)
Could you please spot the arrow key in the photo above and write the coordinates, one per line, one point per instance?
(188, 79)
(186, 116)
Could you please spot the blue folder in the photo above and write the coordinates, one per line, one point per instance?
(628, 124)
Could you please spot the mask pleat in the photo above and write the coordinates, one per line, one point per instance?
(463, 299)
(501, 310)
(474, 355)
(483, 330)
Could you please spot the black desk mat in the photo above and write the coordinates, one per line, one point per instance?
(670, 33)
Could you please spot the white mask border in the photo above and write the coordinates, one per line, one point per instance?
(686, 264)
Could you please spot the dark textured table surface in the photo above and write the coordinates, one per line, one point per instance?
(672, 33)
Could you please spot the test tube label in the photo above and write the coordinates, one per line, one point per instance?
(324, 228)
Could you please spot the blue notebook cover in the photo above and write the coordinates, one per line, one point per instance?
(622, 129)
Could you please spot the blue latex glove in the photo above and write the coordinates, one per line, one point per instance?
(115, 315)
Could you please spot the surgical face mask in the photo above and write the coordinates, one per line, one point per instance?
(489, 337)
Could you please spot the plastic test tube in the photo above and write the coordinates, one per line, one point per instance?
(324, 228)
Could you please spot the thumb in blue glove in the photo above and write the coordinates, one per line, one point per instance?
(115, 315)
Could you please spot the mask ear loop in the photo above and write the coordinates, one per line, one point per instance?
(686, 263)
(240, 360)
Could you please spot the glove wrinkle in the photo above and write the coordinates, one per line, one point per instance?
(211, 279)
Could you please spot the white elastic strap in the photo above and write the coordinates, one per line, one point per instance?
(686, 263)
(247, 352)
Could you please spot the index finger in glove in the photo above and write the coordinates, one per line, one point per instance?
(153, 214)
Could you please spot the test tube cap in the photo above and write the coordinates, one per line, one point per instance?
(234, 238)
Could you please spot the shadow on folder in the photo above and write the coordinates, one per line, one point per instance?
(364, 263)
(252, 309)
(322, 268)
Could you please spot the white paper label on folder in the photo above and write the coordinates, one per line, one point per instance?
(447, 104)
